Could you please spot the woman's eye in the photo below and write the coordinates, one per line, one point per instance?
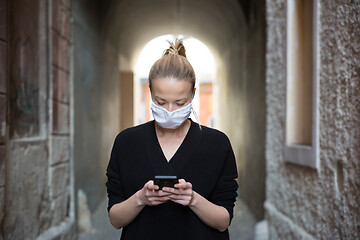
(161, 103)
(180, 104)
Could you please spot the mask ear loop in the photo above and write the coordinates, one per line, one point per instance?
(193, 111)
(196, 117)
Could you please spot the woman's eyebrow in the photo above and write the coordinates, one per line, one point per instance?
(159, 98)
(181, 99)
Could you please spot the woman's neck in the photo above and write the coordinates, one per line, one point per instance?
(177, 132)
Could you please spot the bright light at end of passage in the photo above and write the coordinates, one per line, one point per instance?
(197, 53)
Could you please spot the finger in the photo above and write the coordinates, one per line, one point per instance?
(179, 197)
(170, 189)
(177, 191)
(159, 193)
(182, 180)
(186, 192)
(185, 201)
(181, 184)
(149, 185)
(176, 197)
(158, 200)
(154, 203)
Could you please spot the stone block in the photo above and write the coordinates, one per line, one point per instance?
(61, 208)
(3, 67)
(60, 118)
(60, 179)
(2, 118)
(2, 165)
(60, 85)
(26, 189)
(60, 49)
(3, 20)
(60, 149)
(61, 19)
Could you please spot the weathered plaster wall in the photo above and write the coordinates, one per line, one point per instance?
(317, 204)
(38, 201)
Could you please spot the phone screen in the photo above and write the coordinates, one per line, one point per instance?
(165, 181)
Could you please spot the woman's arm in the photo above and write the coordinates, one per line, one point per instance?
(211, 214)
(121, 214)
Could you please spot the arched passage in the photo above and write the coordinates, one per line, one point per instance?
(233, 32)
(204, 66)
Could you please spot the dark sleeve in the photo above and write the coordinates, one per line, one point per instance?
(225, 192)
(113, 184)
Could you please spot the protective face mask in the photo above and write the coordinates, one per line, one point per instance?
(172, 119)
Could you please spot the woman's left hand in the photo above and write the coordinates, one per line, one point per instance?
(182, 193)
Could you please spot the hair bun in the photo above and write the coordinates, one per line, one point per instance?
(176, 48)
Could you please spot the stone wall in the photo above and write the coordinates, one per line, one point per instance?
(60, 173)
(322, 203)
(38, 202)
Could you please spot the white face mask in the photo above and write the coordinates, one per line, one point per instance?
(168, 119)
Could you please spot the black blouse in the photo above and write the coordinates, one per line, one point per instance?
(205, 159)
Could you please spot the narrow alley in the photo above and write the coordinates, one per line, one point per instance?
(280, 78)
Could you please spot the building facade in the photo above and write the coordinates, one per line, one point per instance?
(319, 200)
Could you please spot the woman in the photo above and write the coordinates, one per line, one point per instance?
(200, 205)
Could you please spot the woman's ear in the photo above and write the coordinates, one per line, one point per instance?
(193, 95)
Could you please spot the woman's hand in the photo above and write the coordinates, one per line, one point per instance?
(123, 213)
(181, 194)
(149, 196)
(212, 215)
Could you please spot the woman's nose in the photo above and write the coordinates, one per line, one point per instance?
(171, 108)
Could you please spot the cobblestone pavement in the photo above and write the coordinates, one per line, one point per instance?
(241, 228)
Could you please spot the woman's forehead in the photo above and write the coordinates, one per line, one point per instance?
(171, 91)
(171, 86)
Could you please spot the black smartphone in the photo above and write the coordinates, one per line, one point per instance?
(165, 181)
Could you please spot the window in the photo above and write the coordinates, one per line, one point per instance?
(302, 80)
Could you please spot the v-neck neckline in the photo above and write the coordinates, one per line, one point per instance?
(156, 159)
(178, 149)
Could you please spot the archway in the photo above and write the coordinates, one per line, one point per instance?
(233, 32)
(203, 62)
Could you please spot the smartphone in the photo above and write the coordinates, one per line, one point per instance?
(165, 181)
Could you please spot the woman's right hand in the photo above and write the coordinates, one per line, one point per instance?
(149, 195)
(123, 213)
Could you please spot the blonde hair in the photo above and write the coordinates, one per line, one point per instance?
(173, 64)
